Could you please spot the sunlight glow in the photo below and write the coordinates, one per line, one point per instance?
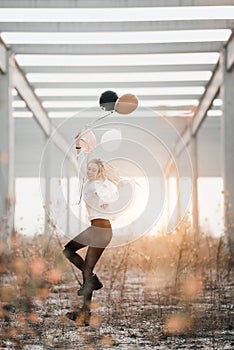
(211, 212)
(175, 113)
(214, 113)
(120, 60)
(143, 103)
(218, 102)
(61, 114)
(29, 212)
(160, 91)
(117, 37)
(119, 77)
(116, 15)
(19, 104)
(25, 114)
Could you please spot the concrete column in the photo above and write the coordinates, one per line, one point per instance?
(168, 195)
(173, 200)
(7, 178)
(227, 148)
(178, 206)
(47, 175)
(195, 211)
(68, 203)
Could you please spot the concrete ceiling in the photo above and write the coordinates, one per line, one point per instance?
(142, 47)
(164, 52)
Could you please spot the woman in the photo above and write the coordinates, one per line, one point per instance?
(99, 191)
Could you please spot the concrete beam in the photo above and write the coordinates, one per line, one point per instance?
(206, 101)
(106, 49)
(3, 57)
(124, 85)
(230, 53)
(117, 69)
(210, 94)
(115, 26)
(183, 141)
(153, 106)
(33, 103)
(227, 147)
(110, 4)
(212, 90)
(140, 97)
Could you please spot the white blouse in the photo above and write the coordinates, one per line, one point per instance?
(96, 194)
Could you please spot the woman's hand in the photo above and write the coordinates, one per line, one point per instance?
(78, 149)
(104, 206)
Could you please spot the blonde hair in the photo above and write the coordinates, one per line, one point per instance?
(106, 170)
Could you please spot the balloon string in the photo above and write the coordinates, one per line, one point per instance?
(97, 120)
(88, 126)
(81, 191)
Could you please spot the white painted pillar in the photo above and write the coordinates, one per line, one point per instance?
(227, 147)
(7, 177)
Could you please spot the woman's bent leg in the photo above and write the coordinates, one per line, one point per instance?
(70, 253)
(91, 281)
(78, 242)
(96, 237)
(92, 257)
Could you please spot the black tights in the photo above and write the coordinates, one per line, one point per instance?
(93, 252)
(86, 266)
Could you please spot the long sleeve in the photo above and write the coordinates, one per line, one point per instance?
(107, 192)
(97, 193)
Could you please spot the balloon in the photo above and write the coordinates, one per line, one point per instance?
(126, 104)
(111, 139)
(107, 100)
(87, 140)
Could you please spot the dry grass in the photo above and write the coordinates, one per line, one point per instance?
(160, 292)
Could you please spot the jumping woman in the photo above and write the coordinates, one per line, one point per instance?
(99, 191)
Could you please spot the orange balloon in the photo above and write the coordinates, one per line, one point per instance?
(126, 104)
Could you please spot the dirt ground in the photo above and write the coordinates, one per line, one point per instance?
(126, 314)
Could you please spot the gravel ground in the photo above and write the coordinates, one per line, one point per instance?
(125, 315)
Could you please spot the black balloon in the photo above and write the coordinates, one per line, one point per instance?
(107, 100)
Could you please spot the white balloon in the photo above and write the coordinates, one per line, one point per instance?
(111, 140)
